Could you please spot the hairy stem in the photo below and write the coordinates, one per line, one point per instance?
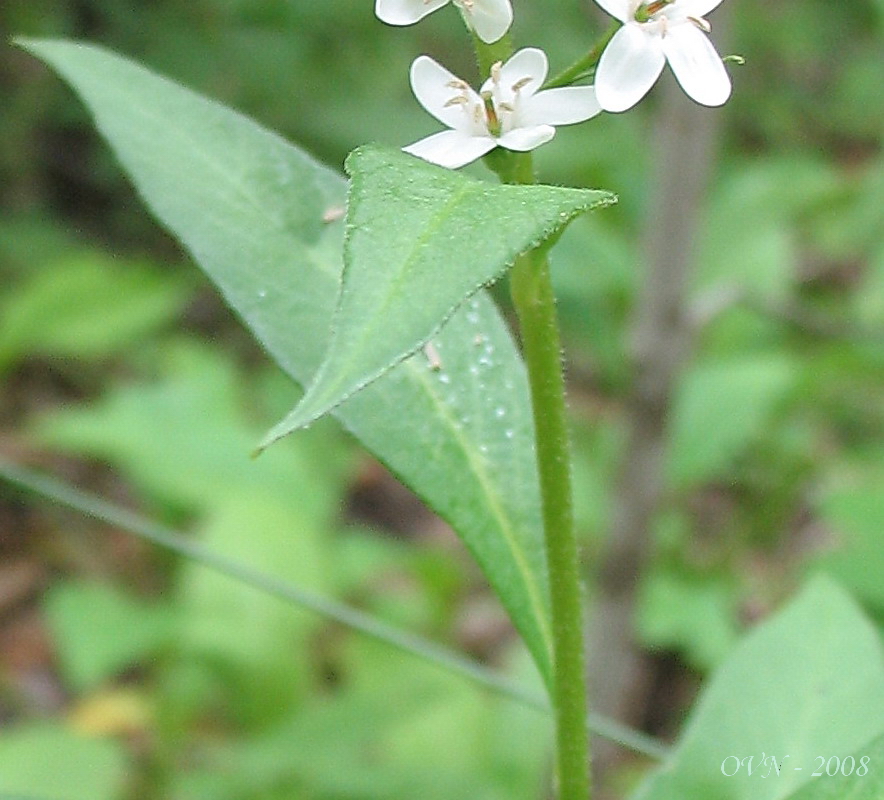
(535, 304)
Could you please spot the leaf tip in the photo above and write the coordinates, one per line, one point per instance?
(358, 154)
(24, 42)
(293, 422)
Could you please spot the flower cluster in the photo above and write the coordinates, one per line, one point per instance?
(490, 19)
(508, 111)
(652, 34)
(513, 111)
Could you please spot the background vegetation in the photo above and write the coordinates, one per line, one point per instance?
(140, 675)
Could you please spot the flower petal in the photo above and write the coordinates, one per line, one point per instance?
(628, 68)
(619, 9)
(523, 139)
(451, 149)
(529, 62)
(491, 19)
(432, 86)
(563, 106)
(405, 12)
(697, 65)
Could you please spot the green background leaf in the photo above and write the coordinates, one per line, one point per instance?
(420, 239)
(86, 305)
(48, 762)
(250, 208)
(100, 630)
(807, 683)
(719, 409)
(857, 517)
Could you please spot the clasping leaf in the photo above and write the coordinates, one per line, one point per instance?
(420, 240)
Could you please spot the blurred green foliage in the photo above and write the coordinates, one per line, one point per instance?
(776, 466)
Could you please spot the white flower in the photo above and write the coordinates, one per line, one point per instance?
(654, 32)
(491, 19)
(510, 111)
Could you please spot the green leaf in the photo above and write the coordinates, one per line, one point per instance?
(193, 454)
(99, 630)
(420, 240)
(440, 739)
(691, 612)
(86, 305)
(857, 518)
(50, 762)
(719, 409)
(807, 683)
(251, 642)
(250, 208)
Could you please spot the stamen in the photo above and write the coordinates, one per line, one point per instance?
(457, 100)
(644, 12)
(432, 354)
(333, 214)
(506, 107)
(491, 114)
(495, 72)
(521, 83)
(701, 23)
(457, 83)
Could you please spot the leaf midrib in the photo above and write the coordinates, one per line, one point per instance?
(477, 465)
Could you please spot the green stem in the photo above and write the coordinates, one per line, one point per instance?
(585, 63)
(534, 301)
(535, 304)
(121, 518)
(489, 54)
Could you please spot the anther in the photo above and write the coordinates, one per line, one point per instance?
(521, 84)
(495, 72)
(457, 100)
(333, 214)
(701, 23)
(433, 360)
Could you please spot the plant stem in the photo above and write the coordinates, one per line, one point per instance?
(535, 305)
(117, 517)
(488, 54)
(585, 63)
(534, 301)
